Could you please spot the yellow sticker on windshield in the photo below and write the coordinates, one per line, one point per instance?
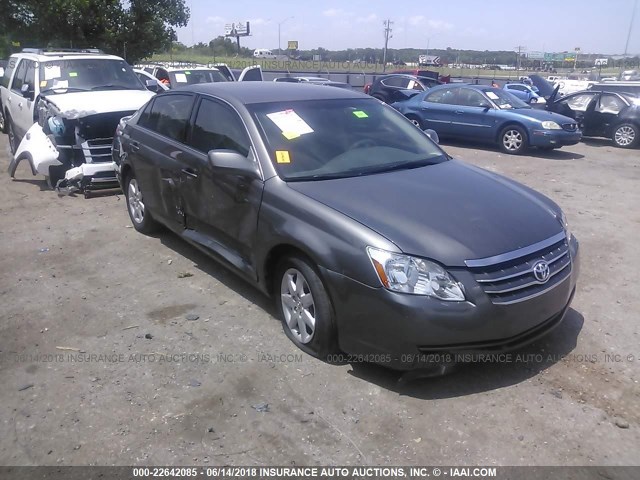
(282, 156)
(360, 114)
(290, 135)
(43, 83)
(73, 74)
(187, 72)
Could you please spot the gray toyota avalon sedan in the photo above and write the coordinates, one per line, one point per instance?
(371, 239)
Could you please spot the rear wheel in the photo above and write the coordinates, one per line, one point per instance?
(513, 140)
(626, 135)
(304, 307)
(140, 216)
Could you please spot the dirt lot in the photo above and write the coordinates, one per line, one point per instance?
(93, 329)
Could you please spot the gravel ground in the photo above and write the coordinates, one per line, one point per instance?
(99, 363)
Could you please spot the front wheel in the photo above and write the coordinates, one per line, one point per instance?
(416, 121)
(13, 139)
(140, 216)
(513, 140)
(625, 135)
(305, 307)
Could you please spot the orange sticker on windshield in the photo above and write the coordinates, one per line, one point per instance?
(282, 156)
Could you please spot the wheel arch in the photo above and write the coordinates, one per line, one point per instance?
(273, 257)
(513, 123)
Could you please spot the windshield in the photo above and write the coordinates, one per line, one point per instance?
(323, 139)
(191, 77)
(84, 74)
(504, 100)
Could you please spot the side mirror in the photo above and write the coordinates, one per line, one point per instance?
(432, 135)
(232, 163)
(153, 86)
(485, 106)
(27, 91)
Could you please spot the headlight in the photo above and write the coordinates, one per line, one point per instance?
(549, 125)
(565, 224)
(406, 274)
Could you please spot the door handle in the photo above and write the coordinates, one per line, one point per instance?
(20, 105)
(190, 172)
(459, 112)
(134, 146)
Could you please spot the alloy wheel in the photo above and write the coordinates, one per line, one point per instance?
(512, 140)
(625, 136)
(298, 305)
(136, 206)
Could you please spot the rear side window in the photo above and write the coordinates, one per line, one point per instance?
(445, 95)
(218, 127)
(8, 70)
(170, 115)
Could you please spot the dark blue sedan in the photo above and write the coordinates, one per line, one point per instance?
(486, 114)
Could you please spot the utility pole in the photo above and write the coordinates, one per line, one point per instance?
(520, 49)
(387, 35)
(626, 45)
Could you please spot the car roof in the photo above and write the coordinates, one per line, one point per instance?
(49, 56)
(266, 92)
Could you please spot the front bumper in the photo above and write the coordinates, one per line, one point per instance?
(554, 138)
(397, 330)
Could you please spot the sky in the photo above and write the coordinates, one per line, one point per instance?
(595, 26)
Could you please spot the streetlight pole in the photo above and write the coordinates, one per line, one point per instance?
(279, 24)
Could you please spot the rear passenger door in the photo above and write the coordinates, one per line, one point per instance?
(157, 150)
(602, 114)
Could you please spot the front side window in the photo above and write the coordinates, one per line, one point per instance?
(323, 139)
(504, 100)
(8, 70)
(86, 74)
(218, 127)
(471, 98)
(170, 115)
(579, 103)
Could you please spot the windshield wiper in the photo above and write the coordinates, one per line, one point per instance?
(400, 166)
(66, 90)
(112, 86)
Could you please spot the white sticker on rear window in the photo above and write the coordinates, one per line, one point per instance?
(181, 78)
(492, 95)
(60, 84)
(51, 72)
(290, 123)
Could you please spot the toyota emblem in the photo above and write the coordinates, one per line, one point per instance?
(541, 271)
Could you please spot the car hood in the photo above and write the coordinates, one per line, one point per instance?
(541, 115)
(82, 104)
(449, 212)
(545, 88)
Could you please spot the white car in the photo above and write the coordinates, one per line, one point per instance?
(151, 82)
(61, 110)
(181, 74)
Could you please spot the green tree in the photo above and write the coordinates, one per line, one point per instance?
(135, 29)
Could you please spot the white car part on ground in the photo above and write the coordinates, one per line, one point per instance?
(38, 150)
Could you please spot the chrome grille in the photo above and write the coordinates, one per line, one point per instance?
(97, 150)
(513, 280)
(570, 127)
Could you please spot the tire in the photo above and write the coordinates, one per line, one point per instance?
(298, 288)
(512, 140)
(140, 216)
(416, 121)
(2, 122)
(13, 139)
(626, 135)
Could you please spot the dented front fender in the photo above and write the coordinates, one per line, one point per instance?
(38, 150)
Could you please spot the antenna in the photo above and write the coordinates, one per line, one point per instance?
(387, 35)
